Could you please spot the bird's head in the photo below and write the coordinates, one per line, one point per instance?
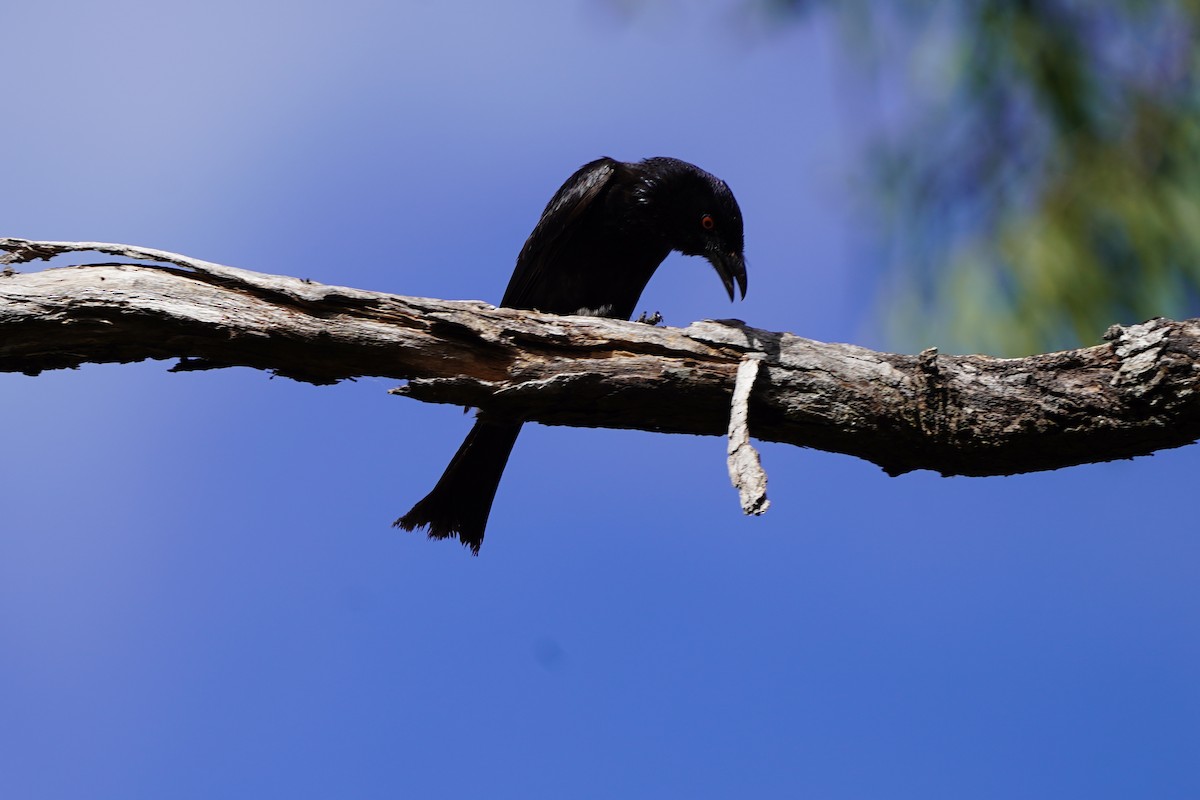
(699, 217)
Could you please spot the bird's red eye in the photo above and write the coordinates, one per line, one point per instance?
(707, 222)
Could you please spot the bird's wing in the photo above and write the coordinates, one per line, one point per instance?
(558, 224)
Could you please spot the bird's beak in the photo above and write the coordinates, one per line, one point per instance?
(730, 266)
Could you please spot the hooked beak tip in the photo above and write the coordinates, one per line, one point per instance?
(731, 267)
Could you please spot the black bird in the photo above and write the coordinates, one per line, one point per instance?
(601, 237)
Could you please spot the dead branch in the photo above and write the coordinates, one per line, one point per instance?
(965, 415)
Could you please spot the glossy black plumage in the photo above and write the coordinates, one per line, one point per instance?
(598, 242)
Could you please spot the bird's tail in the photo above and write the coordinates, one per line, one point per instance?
(460, 503)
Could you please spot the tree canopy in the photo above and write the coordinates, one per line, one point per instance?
(1044, 181)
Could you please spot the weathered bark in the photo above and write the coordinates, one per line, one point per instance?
(967, 415)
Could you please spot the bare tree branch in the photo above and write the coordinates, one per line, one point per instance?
(967, 415)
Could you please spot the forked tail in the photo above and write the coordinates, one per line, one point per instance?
(462, 499)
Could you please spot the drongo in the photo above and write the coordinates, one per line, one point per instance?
(598, 242)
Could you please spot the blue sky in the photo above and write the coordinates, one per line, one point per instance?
(200, 593)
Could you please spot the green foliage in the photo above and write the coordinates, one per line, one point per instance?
(1045, 179)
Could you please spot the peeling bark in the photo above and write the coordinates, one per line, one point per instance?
(964, 415)
(745, 469)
